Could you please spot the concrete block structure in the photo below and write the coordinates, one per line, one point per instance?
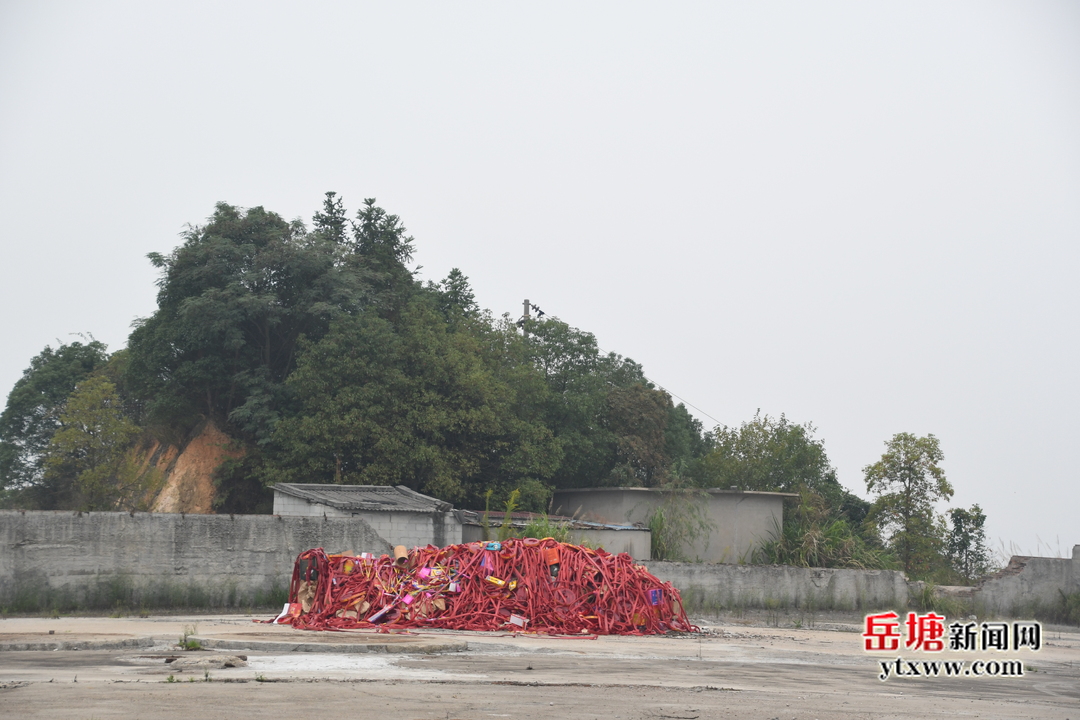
(405, 517)
(399, 515)
(736, 522)
(56, 559)
(634, 540)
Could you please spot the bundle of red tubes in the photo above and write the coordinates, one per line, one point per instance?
(521, 585)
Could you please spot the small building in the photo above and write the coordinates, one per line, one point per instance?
(732, 524)
(399, 515)
(402, 516)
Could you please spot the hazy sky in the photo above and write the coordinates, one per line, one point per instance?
(863, 215)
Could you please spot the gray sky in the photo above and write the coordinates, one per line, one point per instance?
(864, 215)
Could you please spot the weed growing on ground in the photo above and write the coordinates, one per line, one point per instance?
(186, 641)
(927, 599)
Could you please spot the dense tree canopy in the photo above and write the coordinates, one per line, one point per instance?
(775, 454)
(235, 299)
(767, 454)
(32, 417)
(412, 401)
(320, 350)
(609, 419)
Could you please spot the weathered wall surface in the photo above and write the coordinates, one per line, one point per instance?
(413, 529)
(1029, 584)
(737, 522)
(201, 559)
(410, 529)
(71, 559)
(634, 542)
(715, 587)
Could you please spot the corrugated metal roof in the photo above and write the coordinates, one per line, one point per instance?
(386, 498)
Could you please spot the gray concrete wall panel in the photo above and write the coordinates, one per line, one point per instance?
(240, 556)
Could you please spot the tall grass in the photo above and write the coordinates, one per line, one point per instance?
(541, 527)
(812, 537)
(677, 524)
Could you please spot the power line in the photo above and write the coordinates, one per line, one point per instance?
(684, 400)
(540, 313)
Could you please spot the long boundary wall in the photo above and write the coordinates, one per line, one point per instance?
(79, 560)
(64, 559)
(724, 587)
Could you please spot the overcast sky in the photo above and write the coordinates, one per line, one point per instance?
(863, 215)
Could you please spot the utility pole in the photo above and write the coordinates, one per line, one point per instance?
(523, 323)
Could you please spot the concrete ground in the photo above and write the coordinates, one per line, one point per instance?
(739, 667)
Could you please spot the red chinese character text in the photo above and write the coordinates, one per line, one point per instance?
(924, 632)
(882, 632)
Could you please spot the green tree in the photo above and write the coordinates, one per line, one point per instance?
(234, 301)
(685, 440)
(637, 417)
(906, 482)
(610, 432)
(89, 451)
(965, 546)
(454, 298)
(825, 527)
(379, 238)
(774, 454)
(412, 400)
(32, 417)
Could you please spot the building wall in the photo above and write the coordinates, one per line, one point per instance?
(415, 529)
(298, 507)
(737, 523)
(635, 543)
(411, 529)
(218, 558)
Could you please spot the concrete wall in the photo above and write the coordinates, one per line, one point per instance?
(300, 507)
(414, 529)
(205, 559)
(716, 587)
(410, 529)
(68, 559)
(1029, 584)
(634, 542)
(737, 522)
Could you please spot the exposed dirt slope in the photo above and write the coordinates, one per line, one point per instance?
(188, 471)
